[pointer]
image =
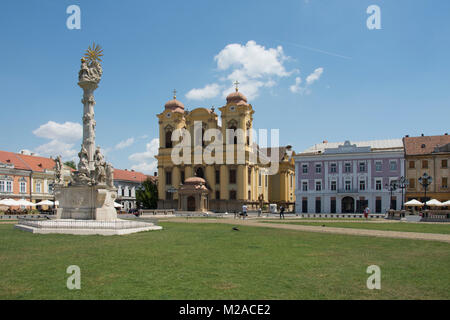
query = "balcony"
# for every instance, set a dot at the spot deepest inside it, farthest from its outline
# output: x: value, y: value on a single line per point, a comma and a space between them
x: 351, y: 190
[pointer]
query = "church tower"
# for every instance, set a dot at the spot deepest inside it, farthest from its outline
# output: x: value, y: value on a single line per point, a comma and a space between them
x: 237, y: 114
x: 169, y: 176
x: 202, y: 185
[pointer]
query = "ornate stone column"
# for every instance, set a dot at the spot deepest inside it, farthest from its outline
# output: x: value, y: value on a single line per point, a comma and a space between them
x: 241, y: 182
x: 211, y: 179
x: 176, y: 176
x: 88, y: 119
x: 224, y: 181
x: 188, y: 172
x: 161, y: 183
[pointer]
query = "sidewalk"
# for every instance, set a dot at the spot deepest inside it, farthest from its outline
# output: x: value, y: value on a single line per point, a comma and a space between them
x: 333, y: 230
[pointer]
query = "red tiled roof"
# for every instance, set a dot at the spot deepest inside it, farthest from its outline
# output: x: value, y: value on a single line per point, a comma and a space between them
x: 127, y: 175
x: 12, y: 158
x: 424, y: 145
x: 38, y: 164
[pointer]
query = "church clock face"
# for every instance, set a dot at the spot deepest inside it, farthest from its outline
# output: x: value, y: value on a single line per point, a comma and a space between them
x: 233, y: 108
x: 168, y: 115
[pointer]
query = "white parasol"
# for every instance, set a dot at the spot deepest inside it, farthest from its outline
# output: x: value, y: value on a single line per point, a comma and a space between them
x: 45, y: 203
x: 413, y: 203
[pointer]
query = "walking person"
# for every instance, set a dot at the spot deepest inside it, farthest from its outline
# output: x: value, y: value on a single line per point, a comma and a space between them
x: 366, y: 213
x: 244, y: 211
x: 281, y: 212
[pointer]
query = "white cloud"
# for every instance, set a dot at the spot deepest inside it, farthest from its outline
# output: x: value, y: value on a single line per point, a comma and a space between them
x: 253, y: 60
x: 313, y: 77
x: 147, y: 168
x: 208, y: 92
x: 296, y: 87
x: 124, y: 144
x: 55, y: 148
x: 146, y: 161
x: 310, y: 79
x: 67, y: 132
x: 253, y: 65
x: 62, y: 136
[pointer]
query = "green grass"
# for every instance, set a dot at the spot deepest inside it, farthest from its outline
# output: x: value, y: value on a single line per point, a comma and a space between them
x: 386, y: 226
x: 210, y: 261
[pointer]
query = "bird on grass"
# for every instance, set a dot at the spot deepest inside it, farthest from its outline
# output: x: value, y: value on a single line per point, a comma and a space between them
x: 235, y: 228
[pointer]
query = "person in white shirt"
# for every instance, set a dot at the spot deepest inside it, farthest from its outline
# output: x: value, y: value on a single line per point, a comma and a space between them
x: 366, y: 212
x: 244, y: 211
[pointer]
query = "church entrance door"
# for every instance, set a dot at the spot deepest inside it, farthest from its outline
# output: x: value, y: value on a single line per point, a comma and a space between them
x: 191, y: 203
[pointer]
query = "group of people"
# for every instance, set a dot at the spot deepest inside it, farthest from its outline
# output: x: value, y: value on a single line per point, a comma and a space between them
x: 244, y: 212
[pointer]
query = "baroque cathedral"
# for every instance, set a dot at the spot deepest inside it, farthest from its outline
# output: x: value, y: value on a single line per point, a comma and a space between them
x: 220, y: 187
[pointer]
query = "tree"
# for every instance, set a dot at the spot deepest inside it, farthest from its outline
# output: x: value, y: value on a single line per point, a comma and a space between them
x: 147, y: 195
x: 71, y: 164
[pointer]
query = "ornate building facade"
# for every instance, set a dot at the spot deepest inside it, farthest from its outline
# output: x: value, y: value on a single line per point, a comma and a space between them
x: 346, y: 177
x: 430, y: 155
x: 127, y: 182
x: 224, y: 186
x: 28, y: 177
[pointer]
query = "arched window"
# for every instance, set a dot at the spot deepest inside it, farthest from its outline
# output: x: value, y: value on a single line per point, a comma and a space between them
x: 199, y: 135
x: 199, y: 172
x: 203, y: 137
x: 232, y: 125
x: 169, y: 139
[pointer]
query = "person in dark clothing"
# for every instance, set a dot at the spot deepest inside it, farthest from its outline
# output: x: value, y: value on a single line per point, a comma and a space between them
x: 281, y: 212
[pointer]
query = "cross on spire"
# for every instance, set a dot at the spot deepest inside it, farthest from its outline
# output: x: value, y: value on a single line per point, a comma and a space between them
x: 237, y: 85
x: 174, y: 93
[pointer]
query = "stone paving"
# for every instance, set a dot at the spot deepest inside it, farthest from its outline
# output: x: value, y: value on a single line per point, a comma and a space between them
x: 346, y: 231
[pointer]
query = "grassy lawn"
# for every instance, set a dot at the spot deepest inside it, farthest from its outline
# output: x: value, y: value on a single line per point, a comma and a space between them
x: 210, y: 261
x: 394, y: 226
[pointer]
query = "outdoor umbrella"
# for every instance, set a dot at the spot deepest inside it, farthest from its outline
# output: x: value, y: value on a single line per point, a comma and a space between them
x: 25, y: 203
x: 434, y: 203
x: 45, y: 203
x: 9, y: 203
x: 413, y: 203
x: 446, y: 203
x: 117, y: 205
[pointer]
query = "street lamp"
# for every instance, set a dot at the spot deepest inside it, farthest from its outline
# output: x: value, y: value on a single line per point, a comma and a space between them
x: 391, y: 187
x: 425, y: 181
x: 403, y: 184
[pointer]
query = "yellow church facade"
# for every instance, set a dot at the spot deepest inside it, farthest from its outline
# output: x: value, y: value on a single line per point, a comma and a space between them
x: 235, y: 178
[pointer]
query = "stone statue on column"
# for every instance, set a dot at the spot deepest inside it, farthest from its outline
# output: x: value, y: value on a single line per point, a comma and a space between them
x: 91, y: 193
x: 100, y: 167
x: 58, y: 171
x: 88, y: 78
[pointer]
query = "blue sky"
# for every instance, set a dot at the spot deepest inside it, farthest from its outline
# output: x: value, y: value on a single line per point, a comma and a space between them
x: 364, y: 84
